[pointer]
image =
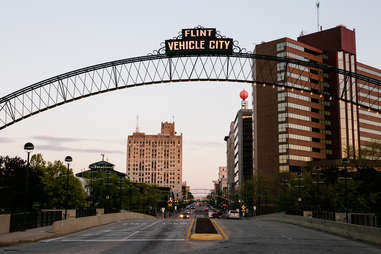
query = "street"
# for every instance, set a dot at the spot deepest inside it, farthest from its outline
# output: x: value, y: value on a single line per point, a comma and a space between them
x: 253, y: 235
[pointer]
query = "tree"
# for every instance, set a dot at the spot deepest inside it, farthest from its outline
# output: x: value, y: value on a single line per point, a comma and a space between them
x: 53, y: 178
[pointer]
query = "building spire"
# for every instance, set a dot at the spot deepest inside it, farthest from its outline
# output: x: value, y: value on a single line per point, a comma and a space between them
x: 317, y: 12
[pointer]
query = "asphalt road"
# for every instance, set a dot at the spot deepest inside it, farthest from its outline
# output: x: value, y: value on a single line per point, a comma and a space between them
x: 169, y: 236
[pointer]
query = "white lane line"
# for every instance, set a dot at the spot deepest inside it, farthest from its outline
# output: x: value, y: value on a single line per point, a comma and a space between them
x: 120, y: 240
x: 284, y: 236
x: 138, y: 231
x: 53, y: 239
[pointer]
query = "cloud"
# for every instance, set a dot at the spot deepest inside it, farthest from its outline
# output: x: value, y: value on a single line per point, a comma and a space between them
x: 77, y: 150
x: 6, y: 140
x: 52, y: 139
x: 193, y: 145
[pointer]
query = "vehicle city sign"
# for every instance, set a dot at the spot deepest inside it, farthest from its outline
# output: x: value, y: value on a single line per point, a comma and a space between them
x: 199, y: 41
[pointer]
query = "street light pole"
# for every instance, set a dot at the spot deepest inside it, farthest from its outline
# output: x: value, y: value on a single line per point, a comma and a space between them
x: 345, y: 162
x: 28, y: 147
x: 68, y: 159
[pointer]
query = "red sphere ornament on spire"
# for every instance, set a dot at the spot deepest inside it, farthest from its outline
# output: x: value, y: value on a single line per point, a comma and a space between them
x: 243, y: 94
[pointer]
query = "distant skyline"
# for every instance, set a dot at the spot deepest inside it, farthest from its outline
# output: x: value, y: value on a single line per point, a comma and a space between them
x: 41, y: 39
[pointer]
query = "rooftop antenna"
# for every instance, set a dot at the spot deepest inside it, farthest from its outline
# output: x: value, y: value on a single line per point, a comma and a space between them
x: 103, y: 156
x: 317, y: 11
x: 137, y: 123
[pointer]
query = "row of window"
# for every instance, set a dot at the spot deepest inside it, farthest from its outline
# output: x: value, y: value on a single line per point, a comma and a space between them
x: 372, y: 140
x: 370, y: 131
x: 292, y: 55
x: 282, y: 67
x: 282, y: 96
x: 369, y: 96
x: 284, y: 126
x: 284, y: 147
x: 369, y: 71
x: 283, y: 137
x: 290, y: 84
x: 370, y: 113
x: 282, y: 106
x: 370, y: 122
x: 369, y: 88
x: 285, y: 157
x: 283, y: 116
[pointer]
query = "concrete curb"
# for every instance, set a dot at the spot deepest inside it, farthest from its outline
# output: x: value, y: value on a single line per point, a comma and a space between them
x: 207, y: 237
x: 220, y: 230
x: 355, y: 232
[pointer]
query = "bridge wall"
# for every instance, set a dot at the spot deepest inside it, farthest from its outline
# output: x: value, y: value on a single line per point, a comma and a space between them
x: 356, y: 232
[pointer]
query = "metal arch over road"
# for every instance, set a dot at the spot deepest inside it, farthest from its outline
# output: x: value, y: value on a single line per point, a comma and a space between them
x: 236, y: 66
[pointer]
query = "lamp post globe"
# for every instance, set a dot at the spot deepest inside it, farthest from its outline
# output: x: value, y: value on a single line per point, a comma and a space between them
x: 28, y: 147
x: 68, y: 159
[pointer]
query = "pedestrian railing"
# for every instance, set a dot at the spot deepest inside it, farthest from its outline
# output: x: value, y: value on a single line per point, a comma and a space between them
x: 325, y: 215
x: 85, y: 212
x: 111, y: 210
x: 365, y: 219
x: 34, y: 219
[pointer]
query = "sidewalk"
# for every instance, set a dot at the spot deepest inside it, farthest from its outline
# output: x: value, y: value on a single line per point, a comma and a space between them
x: 26, y: 236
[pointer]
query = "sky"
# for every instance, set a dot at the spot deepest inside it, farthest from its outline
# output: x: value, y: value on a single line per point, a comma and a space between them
x: 40, y: 39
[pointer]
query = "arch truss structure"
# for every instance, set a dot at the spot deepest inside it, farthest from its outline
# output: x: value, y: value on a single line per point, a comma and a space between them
x: 159, y: 67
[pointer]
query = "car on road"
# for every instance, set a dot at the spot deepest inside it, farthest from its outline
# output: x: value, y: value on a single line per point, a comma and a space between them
x: 185, y: 215
x: 217, y: 214
x: 233, y: 214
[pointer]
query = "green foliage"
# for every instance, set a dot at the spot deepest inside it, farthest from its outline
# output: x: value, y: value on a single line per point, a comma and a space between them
x: 363, y: 191
x: 109, y: 190
x: 46, y: 185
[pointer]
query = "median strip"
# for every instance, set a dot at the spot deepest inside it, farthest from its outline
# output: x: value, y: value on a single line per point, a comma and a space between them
x: 205, y: 231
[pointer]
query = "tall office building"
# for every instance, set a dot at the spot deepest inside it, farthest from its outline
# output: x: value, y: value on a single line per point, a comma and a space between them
x: 240, y: 149
x: 299, y: 127
x: 156, y: 159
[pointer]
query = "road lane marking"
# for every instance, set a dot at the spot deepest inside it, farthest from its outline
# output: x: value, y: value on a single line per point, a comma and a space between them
x: 54, y: 239
x: 288, y: 238
x: 220, y: 229
x: 138, y: 231
x: 190, y: 230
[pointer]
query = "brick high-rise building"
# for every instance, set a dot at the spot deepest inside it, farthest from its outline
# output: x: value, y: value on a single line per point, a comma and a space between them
x: 156, y: 159
x: 292, y: 128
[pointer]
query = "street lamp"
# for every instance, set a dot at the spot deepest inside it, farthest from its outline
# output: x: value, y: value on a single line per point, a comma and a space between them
x: 28, y: 147
x: 345, y: 162
x: 68, y: 159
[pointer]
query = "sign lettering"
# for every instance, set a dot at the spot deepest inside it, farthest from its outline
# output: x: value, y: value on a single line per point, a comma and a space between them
x: 199, y: 41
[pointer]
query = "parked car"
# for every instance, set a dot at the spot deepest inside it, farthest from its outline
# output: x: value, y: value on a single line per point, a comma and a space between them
x: 233, y: 214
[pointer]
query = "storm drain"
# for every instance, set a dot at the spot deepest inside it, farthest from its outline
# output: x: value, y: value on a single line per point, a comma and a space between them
x: 204, y: 226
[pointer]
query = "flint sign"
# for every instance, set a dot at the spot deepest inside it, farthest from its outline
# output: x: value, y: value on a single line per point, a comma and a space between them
x: 199, y: 41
